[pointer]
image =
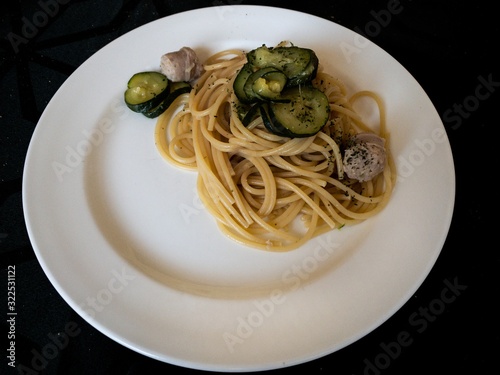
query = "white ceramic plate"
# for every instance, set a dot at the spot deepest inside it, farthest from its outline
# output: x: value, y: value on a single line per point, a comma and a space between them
x: 125, y: 241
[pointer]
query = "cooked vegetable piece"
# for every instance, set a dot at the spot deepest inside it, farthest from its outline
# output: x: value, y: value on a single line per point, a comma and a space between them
x: 239, y: 83
x: 252, y: 113
x: 300, y: 65
x: 306, y: 112
x: 146, y: 90
x: 265, y: 84
x: 266, y: 119
x: 176, y: 89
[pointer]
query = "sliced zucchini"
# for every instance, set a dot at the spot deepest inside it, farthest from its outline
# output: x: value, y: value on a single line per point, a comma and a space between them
x: 304, y: 115
x: 265, y: 84
x: 251, y: 114
x: 239, y: 83
x: 264, y: 113
x: 300, y: 65
x: 146, y: 90
x: 176, y: 89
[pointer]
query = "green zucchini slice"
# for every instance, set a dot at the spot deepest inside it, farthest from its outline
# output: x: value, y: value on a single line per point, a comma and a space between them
x: 175, y: 89
x: 266, y: 119
x: 239, y: 83
x: 300, y: 65
x: 304, y: 115
x: 265, y: 84
x: 146, y: 90
x: 252, y: 113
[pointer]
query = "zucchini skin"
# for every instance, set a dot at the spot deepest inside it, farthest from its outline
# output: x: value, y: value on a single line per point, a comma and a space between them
x: 176, y: 89
x: 266, y: 119
x: 239, y: 83
x: 252, y: 113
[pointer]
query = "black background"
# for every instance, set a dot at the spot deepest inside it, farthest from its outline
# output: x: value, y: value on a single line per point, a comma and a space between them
x: 448, y: 46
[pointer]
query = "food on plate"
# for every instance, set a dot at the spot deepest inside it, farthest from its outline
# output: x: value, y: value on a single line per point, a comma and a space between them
x: 151, y: 93
x: 281, y: 154
x: 145, y: 90
x: 181, y: 65
x: 365, y: 156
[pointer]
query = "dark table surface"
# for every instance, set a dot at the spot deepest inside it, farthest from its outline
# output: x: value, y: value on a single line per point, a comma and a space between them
x: 448, y: 46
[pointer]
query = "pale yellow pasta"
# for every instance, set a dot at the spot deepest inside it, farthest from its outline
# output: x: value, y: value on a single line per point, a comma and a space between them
x: 266, y: 191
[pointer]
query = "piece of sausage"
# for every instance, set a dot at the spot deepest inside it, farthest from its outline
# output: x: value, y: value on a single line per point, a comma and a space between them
x: 181, y: 65
x: 365, y: 157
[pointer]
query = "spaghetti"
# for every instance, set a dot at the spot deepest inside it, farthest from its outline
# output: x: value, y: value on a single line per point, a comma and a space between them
x: 266, y: 191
